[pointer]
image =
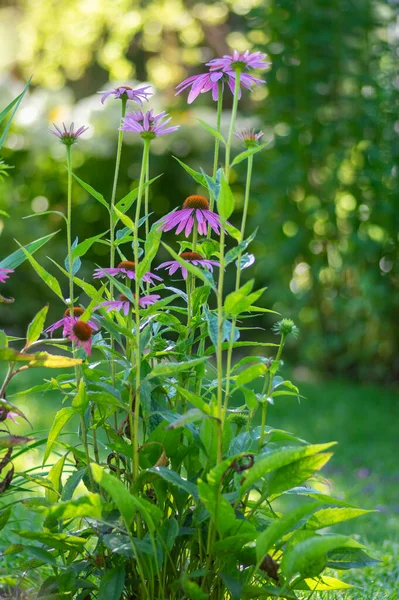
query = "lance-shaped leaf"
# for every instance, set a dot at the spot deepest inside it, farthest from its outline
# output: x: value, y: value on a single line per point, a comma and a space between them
x: 99, y: 197
x: 48, y: 279
x: 36, y: 326
x: 150, y: 249
x: 247, y: 153
x: 241, y: 300
x: 18, y: 257
x: 126, y: 202
x: 60, y: 420
x: 14, y: 104
x: 198, y: 177
x: 170, y: 368
x: 225, y: 201
x: 9, y: 441
x: 216, y: 134
x: 83, y: 247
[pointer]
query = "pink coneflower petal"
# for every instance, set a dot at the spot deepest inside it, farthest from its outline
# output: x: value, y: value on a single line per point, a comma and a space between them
x: 136, y: 95
x: 247, y: 60
x: 68, y: 136
x: 4, y: 274
x: 148, y: 125
x: 196, y: 259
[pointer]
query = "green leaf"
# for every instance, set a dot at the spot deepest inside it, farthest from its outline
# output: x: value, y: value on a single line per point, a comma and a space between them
x: 225, y: 202
x: 175, y: 479
x: 212, y: 131
x: 83, y: 247
x: 48, y: 279
x: 296, y: 472
x: 303, y: 556
x: 349, y: 558
x: 194, y: 400
x: 278, y: 528
x: 4, y: 516
x: 127, y: 221
x: 255, y: 592
x: 92, y: 192
x: 192, y: 590
x: 198, y: 177
x: 81, y: 400
x: 112, y: 584
x: 219, y: 508
x: 127, y: 503
x: 250, y: 374
x: 87, y: 506
x: 18, y: 257
x: 247, y: 153
x: 62, y: 541
x: 170, y: 368
x: 322, y: 584
x: 72, y: 483
x: 126, y: 202
x: 150, y: 249
x: 204, y: 275
x: 54, y: 476
x: 330, y: 516
x: 60, y: 420
x: 191, y: 416
x: 36, y: 326
x: 276, y: 459
x: 232, y: 254
x: 13, y: 104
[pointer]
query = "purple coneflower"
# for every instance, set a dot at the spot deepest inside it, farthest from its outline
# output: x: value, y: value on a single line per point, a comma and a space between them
x: 193, y: 257
x: 5, y: 274
x: 200, y: 84
x: 137, y: 95
x: 128, y: 269
x: 68, y: 137
x: 195, y: 210
x: 148, y: 125
x: 123, y: 303
x: 247, y: 60
x: 77, y: 312
x: 249, y: 137
x: 79, y: 332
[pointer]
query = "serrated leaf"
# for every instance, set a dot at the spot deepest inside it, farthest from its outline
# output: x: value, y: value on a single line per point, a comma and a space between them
x: 277, y: 459
x: 280, y: 526
x: 330, y: 516
x: 301, y: 557
x: 349, y: 558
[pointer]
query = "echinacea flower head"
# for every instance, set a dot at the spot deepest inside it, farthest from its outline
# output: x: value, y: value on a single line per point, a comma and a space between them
x: 126, y: 268
x: 249, y: 137
x: 148, y: 125
x: 77, y: 313
x: 285, y: 327
x: 124, y: 91
x: 124, y: 305
x: 68, y: 136
x: 195, y: 211
x: 79, y: 332
x: 5, y: 274
x: 236, y: 61
x: 193, y: 257
x: 213, y: 81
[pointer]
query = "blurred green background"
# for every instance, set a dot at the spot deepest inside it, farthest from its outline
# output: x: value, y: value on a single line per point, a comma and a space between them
x: 325, y: 192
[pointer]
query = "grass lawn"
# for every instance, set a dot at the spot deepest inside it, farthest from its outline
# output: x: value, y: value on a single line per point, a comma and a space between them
x: 364, y: 470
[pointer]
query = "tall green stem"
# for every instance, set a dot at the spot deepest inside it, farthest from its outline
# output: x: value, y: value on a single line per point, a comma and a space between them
x: 114, y: 187
x: 146, y: 151
x: 69, y: 228
x: 217, y: 142
x: 233, y: 120
x: 237, y: 285
x: 219, y: 351
x: 268, y: 392
x: 146, y: 209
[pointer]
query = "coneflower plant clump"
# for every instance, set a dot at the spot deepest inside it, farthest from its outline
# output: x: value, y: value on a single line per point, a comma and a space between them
x: 174, y: 486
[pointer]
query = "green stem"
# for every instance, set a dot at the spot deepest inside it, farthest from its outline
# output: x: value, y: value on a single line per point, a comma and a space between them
x: 114, y: 186
x: 86, y: 447
x: 112, y: 245
x: 269, y: 384
x: 146, y: 151
x: 237, y: 285
x: 217, y: 142
x: 233, y: 119
x: 146, y: 209
x: 69, y: 228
